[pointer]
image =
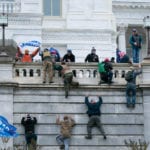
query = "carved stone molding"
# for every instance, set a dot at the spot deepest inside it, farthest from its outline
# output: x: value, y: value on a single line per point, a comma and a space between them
x: 78, y: 36
x: 130, y: 4
x: 10, y: 6
x: 25, y: 20
x: 121, y: 28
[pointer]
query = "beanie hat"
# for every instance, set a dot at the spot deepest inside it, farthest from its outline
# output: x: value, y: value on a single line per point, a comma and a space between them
x: 106, y: 60
x: 121, y: 54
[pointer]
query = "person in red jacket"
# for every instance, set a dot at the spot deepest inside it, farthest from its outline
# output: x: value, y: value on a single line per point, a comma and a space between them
x: 26, y: 57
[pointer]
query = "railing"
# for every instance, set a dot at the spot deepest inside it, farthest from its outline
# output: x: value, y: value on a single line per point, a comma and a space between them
x: 10, y: 6
x: 84, y: 73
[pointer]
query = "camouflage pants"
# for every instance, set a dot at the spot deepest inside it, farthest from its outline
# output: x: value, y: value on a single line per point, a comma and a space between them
x: 67, y: 82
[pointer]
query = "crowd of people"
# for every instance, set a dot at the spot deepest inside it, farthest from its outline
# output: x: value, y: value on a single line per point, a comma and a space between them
x: 105, y: 69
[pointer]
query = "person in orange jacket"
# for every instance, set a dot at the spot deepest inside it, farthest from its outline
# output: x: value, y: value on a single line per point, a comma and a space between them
x: 26, y: 57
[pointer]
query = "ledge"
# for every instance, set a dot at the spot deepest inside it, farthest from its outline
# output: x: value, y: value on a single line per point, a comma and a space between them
x: 9, y: 84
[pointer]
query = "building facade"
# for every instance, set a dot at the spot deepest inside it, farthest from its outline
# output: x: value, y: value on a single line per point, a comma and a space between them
x: 68, y: 24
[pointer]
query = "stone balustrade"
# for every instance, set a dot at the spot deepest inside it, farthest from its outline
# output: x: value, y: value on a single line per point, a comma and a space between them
x: 10, y: 6
x: 84, y: 73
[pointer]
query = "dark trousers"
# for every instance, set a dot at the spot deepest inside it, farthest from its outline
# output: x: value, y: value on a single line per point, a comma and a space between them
x: 131, y: 93
x: 30, y: 137
x: 106, y: 76
x: 68, y: 81
x: 94, y: 121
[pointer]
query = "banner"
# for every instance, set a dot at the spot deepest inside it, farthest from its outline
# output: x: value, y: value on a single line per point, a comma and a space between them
x: 30, y: 43
x: 6, y: 129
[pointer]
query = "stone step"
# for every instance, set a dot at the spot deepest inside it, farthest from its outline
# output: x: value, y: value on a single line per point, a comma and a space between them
x: 117, y: 98
x: 72, y: 109
x: 119, y: 122
x: 113, y: 119
x: 50, y: 129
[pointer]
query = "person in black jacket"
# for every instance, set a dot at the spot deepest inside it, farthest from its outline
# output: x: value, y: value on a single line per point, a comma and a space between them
x: 92, y: 57
x: 69, y: 57
x: 94, y: 116
x: 29, y: 124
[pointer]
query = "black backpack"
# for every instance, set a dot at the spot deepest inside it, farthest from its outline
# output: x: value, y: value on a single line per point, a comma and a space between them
x: 129, y: 76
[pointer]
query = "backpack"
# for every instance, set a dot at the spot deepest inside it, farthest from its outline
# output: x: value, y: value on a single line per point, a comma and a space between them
x: 101, y: 67
x: 129, y: 76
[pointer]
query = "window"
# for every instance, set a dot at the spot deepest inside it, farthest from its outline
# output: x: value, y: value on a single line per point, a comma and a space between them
x: 52, y: 7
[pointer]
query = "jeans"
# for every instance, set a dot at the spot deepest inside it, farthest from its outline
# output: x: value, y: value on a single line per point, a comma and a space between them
x: 135, y: 55
x: 131, y: 93
x: 94, y: 121
x: 107, y: 76
x: 63, y: 141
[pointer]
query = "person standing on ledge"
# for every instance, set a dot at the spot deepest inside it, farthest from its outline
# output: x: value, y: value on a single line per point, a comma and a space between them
x: 47, y: 66
x: 136, y: 42
x: 94, y: 116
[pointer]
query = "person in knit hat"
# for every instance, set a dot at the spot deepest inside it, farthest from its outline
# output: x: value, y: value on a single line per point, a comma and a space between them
x: 92, y: 57
x: 124, y: 58
x: 66, y: 126
x: 106, y: 74
x: 136, y: 43
x: 130, y: 78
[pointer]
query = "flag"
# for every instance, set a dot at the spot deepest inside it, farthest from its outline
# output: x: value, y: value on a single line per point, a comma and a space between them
x: 6, y: 129
x: 30, y: 43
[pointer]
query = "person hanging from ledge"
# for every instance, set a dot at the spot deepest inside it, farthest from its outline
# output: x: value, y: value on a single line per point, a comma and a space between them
x: 29, y: 123
x: 130, y: 77
x: 94, y: 116
x: 66, y: 126
x: 26, y: 56
x: 67, y: 76
x: 47, y: 65
x: 105, y: 69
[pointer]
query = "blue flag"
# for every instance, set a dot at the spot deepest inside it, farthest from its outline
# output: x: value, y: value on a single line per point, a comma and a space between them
x: 30, y: 43
x: 6, y: 129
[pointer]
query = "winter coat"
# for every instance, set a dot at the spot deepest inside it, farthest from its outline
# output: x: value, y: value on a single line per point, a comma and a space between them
x: 29, y: 124
x: 66, y: 127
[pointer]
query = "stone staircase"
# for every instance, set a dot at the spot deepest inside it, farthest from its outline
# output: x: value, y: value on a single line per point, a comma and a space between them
x: 45, y: 102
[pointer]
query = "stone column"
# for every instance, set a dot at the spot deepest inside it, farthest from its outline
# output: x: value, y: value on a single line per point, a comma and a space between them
x: 6, y: 92
x: 122, y: 37
x: 145, y: 85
